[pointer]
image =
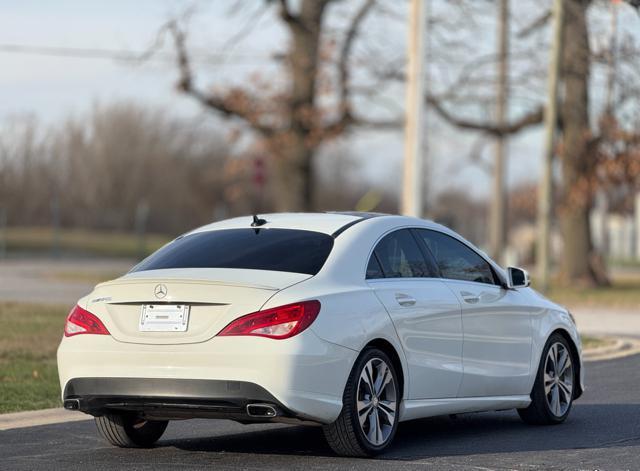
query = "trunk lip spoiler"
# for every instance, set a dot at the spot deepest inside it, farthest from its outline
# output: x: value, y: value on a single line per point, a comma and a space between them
x: 173, y: 301
x: 192, y: 281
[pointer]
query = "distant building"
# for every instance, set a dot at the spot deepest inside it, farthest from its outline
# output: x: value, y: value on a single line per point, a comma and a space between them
x: 616, y: 234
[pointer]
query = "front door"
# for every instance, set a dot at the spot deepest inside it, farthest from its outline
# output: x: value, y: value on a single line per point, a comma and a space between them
x: 496, y: 325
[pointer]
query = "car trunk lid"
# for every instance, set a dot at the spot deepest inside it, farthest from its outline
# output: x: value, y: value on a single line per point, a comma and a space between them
x: 215, y: 297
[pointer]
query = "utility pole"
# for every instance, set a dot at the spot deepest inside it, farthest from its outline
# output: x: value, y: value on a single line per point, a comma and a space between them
x: 613, y: 50
x: 498, y: 231
x: 545, y: 189
x: 412, y: 175
x: 602, y: 203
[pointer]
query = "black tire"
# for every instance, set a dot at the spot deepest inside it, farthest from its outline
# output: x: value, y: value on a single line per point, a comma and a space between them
x: 346, y: 436
x: 128, y: 431
x: 540, y: 411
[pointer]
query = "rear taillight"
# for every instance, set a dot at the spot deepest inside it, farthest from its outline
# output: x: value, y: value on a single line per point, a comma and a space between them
x: 275, y: 323
x: 81, y: 321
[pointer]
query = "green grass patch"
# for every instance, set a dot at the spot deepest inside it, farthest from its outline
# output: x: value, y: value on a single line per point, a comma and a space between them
x: 109, y: 244
x: 624, y: 293
x: 623, y: 263
x: 29, y: 337
x: 595, y: 342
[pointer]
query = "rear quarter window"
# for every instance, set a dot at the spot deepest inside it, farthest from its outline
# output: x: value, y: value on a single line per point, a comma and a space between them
x: 397, y: 255
x: 288, y: 250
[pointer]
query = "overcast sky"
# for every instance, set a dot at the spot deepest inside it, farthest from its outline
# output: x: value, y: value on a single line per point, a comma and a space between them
x: 52, y: 88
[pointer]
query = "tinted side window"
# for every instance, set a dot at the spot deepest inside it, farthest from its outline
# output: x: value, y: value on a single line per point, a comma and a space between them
x: 373, y: 269
x: 455, y: 260
x: 401, y: 257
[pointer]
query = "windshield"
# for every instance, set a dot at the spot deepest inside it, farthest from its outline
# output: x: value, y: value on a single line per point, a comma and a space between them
x: 287, y: 250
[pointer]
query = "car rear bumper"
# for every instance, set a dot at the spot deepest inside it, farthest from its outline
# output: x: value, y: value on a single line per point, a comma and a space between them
x: 168, y: 398
x: 303, y: 377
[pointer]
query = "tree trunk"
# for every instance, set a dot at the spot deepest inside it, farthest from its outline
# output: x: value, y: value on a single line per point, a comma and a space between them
x: 293, y: 177
x: 295, y: 149
x: 579, y: 263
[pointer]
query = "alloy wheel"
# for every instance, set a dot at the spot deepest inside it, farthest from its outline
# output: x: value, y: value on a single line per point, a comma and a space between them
x: 376, y: 401
x: 558, y: 379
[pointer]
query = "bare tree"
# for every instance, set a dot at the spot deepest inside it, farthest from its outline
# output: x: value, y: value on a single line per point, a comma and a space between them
x: 579, y: 146
x: 576, y: 157
x: 97, y: 170
x: 294, y: 124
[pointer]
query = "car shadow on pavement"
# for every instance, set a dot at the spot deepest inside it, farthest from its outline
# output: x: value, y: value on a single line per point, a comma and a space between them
x: 589, y: 426
x: 288, y: 440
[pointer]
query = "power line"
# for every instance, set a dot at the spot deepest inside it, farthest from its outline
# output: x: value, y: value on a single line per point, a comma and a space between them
x: 121, y: 54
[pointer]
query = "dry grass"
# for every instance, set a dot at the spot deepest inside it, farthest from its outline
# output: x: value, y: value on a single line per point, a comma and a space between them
x: 29, y: 338
x: 109, y: 244
x: 624, y: 293
x: 595, y: 342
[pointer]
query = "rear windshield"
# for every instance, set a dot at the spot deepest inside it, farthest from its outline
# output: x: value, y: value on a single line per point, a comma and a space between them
x: 256, y: 249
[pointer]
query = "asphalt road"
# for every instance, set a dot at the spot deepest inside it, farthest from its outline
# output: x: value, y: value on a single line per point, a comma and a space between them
x: 55, y: 281
x: 603, y: 432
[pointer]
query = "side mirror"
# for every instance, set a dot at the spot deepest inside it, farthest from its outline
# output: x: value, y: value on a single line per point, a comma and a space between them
x: 517, y: 278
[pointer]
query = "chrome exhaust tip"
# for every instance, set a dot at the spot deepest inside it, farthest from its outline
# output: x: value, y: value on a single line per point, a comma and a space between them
x: 262, y: 410
x: 72, y: 404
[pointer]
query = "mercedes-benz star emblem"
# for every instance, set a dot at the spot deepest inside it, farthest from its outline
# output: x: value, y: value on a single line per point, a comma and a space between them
x: 160, y: 291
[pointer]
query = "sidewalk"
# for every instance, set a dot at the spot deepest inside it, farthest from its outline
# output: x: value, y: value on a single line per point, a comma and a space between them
x: 39, y: 417
x: 605, y: 321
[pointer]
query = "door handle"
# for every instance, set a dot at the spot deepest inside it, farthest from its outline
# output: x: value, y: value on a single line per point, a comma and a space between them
x: 470, y: 298
x: 405, y: 299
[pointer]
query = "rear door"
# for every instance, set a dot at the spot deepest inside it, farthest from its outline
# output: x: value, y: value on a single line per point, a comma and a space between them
x: 495, y: 322
x: 425, y: 313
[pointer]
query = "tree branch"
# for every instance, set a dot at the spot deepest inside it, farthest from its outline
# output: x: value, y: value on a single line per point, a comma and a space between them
x: 292, y: 20
x: 345, y: 53
x: 535, y: 25
x: 221, y: 104
x: 285, y: 13
x: 382, y: 124
x: 346, y: 117
x: 530, y: 119
x: 635, y: 4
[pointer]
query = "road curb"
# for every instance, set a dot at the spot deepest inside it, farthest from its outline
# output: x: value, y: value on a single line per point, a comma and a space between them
x: 621, y: 347
x: 34, y: 418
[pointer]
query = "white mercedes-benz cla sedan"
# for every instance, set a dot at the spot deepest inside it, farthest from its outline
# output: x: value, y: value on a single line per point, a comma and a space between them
x: 353, y: 321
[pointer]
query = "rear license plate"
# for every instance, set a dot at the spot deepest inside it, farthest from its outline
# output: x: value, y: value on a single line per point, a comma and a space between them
x: 164, y: 318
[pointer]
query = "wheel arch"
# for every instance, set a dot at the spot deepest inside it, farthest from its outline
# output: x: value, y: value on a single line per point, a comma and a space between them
x: 576, y: 355
x: 388, y: 348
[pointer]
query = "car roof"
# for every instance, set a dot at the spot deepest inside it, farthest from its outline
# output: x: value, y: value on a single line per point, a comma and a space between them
x: 329, y: 223
x: 333, y: 223
x: 337, y: 223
